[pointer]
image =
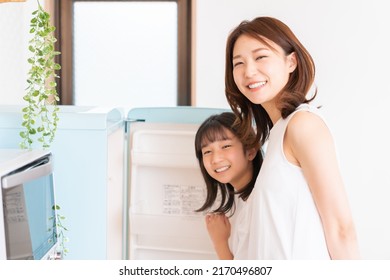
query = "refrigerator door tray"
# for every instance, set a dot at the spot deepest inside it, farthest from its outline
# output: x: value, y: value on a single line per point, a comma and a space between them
x: 165, y: 189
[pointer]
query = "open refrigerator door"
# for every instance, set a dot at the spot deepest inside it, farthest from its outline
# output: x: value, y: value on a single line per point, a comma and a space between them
x: 165, y: 187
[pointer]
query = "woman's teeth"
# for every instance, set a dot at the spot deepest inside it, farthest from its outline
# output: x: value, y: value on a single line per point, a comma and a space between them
x: 255, y: 85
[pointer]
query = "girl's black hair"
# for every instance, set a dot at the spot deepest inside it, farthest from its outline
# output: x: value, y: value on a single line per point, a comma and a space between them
x: 213, y: 129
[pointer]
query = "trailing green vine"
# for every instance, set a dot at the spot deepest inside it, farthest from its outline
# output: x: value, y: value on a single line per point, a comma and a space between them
x: 59, y: 233
x: 40, y: 115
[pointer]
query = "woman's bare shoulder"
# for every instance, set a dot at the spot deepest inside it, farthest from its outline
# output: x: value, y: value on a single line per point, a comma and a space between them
x: 306, y: 126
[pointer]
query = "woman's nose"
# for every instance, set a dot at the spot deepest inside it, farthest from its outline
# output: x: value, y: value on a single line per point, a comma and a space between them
x: 250, y: 69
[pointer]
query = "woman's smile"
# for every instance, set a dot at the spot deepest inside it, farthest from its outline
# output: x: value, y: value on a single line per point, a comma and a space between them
x: 257, y: 85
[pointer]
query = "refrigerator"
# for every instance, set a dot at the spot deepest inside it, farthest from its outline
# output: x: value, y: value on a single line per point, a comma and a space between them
x: 128, y: 183
x: 165, y: 185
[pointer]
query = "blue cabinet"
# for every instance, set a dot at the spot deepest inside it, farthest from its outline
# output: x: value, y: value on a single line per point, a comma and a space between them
x: 88, y: 156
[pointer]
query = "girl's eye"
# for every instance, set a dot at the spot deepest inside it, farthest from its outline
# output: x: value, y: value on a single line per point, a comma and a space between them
x: 206, y: 152
x: 226, y: 146
x: 260, y: 57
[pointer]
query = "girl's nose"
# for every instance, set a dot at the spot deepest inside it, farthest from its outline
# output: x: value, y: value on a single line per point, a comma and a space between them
x: 216, y: 158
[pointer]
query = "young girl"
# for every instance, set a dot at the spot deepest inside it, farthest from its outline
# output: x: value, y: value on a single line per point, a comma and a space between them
x: 229, y: 169
x: 298, y: 208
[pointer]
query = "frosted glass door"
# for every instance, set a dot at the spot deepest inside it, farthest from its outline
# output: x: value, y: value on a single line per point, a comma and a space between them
x: 125, y: 54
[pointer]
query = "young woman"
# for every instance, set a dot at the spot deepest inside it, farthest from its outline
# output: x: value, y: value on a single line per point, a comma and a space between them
x: 298, y: 208
x: 229, y: 169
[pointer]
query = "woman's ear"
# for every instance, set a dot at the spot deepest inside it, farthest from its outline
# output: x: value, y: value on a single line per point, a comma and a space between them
x: 292, y: 61
x: 251, y: 153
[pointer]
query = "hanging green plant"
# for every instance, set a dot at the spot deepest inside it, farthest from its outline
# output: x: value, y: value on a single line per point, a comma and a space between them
x: 40, y: 115
x: 59, y: 233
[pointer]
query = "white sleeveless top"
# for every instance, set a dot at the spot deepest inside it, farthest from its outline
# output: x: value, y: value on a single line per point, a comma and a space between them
x: 279, y: 220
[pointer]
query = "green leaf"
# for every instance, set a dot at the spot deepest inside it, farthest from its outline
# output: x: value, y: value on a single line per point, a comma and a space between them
x: 41, y: 82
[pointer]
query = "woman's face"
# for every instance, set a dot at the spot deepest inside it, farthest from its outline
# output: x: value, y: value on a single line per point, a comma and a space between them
x: 227, y: 162
x: 261, y: 72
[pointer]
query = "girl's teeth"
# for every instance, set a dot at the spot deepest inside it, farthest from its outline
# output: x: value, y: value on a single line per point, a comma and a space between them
x: 222, y: 169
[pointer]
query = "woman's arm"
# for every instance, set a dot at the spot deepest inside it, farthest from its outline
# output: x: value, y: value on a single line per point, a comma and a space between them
x: 309, y: 143
x: 218, y: 226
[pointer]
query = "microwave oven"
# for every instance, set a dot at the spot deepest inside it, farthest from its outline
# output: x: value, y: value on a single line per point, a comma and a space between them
x: 27, y: 217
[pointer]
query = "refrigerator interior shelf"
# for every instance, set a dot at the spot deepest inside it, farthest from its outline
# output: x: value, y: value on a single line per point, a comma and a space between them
x: 163, y: 160
x: 166, y: 187
x: 165, y: 225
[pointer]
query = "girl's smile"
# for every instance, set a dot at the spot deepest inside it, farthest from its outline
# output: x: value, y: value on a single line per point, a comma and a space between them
x: 227, y: 161
x: 222, y: 169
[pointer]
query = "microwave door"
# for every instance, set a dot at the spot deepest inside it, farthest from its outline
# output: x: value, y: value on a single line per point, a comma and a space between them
x: 25, y: 198
x: 18, y: 239
x: 37, y: 169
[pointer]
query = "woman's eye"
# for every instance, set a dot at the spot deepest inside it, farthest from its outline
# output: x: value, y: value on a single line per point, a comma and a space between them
x: 237, y: 64
x: 260, y: 57
x: 206, y: 152
x: 226, y: 146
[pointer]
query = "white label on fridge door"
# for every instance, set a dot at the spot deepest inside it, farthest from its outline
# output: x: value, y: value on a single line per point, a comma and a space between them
x: 182, y: 200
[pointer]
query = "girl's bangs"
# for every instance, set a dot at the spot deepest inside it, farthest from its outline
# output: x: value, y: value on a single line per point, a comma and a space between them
x: 213, y: 133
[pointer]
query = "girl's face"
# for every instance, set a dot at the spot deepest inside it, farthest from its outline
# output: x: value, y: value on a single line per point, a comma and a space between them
x: 261, y: 72
x: 227, y: 162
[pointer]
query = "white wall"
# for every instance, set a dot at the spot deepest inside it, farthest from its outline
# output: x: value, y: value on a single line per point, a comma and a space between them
x: 14, y: 36
x: 349, y: 41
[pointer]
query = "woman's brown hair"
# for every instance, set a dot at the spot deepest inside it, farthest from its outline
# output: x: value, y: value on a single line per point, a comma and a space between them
x: 296, y: 89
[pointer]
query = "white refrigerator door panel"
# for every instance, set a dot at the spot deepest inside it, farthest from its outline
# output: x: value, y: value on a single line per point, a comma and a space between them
x: 166, y: 186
